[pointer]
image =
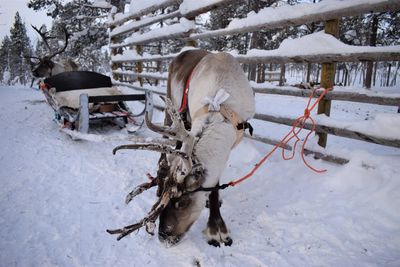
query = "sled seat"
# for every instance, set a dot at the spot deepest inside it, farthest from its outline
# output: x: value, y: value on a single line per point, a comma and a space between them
x: 75, y: 80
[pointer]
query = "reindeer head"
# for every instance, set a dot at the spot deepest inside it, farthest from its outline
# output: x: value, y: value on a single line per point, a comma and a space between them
x: 44, y: 66
x: 183, y: 209
x: 179, y: 205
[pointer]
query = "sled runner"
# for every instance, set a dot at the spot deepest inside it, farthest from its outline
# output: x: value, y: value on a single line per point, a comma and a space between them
x: 81, y: 97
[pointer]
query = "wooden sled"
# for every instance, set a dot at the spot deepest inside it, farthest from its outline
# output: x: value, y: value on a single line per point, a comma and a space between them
x: 81, y: 97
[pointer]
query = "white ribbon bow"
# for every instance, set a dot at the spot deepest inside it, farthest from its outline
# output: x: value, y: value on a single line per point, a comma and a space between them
x: 215, y: 104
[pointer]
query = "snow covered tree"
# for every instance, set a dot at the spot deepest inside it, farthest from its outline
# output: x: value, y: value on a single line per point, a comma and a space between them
x: 20, y: 47
x: 89, y: 33
x: 52, y: 7
x: 375, y: 29
x: 5, y: 60
x: 119, y: 4
x: 262, y: 39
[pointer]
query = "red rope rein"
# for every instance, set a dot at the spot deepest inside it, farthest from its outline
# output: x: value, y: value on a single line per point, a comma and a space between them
x: 294, y: 132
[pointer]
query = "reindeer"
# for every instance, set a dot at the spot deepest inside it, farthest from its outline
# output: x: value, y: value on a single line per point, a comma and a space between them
x: 45, y: 66
x: 219, y: 101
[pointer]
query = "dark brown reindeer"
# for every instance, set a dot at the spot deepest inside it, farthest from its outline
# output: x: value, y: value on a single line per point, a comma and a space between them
x: 46, y: 66
x: 219, y: 102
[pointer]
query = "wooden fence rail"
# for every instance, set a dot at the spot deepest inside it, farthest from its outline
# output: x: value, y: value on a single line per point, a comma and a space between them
x: 334, y: 95
x: 320, y: 128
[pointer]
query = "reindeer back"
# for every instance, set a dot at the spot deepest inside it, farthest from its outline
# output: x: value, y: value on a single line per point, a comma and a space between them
x: 221, y: 71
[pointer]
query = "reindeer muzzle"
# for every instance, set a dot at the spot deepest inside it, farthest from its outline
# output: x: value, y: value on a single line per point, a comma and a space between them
x: 169, y: 240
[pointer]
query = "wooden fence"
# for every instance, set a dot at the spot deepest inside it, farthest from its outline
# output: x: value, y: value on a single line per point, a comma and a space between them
x: 139, y: 28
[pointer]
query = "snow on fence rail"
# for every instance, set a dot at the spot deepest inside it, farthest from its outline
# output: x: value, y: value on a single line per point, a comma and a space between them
x: 131, y: 31
x: 324, y: 52
x: 283, y: 16
x: 146, y: 7
x: 147, y: 75
x: 136, y: 25
x: 320, y: 47
x: 177, y: 30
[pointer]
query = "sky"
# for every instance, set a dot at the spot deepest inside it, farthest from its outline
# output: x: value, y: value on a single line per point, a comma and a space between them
x: 8, y: 8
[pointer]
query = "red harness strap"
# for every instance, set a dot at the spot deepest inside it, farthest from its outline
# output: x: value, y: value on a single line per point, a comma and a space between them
x: 184, y: 102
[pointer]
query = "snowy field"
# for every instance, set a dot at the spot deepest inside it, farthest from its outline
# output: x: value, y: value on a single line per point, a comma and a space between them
x: 58, y: 196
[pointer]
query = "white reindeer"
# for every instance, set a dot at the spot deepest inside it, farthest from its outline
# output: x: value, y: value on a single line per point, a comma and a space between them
x: 219, y: 102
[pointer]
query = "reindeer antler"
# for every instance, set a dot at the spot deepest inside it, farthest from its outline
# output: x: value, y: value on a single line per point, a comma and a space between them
x: 67, y: 35
x: 141, y: 188
x: 45, y: 36
x: 170, y: 189
x: 147, y: 221
x: 154, y: 147
x: 176, y: 132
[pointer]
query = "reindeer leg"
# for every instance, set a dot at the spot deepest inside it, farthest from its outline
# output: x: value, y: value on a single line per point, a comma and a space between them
x: 216, y: 231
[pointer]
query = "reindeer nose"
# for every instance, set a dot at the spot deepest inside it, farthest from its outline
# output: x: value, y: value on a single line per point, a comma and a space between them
x: 169, y: 240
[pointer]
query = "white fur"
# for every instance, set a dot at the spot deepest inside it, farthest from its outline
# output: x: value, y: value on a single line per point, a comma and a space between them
x: 221, y: 71
x: 214, y: 146
x: 214, y: 104
x: 213, y: 73
x: 63, y: 66
x: 177, y: 93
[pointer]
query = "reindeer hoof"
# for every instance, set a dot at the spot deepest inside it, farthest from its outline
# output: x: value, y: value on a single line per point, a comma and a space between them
x: 214, y: 243
x: 228, y: 242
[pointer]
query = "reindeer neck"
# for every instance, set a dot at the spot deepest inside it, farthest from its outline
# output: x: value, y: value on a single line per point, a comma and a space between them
x: 58, y: 68
x: 216, y: 138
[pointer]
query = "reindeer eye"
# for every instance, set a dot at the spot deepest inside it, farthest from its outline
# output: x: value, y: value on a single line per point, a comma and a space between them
x: 182, y: 203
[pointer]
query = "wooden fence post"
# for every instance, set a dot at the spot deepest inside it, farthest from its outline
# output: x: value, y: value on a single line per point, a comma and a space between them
x: 388, y: 74
x: 191, y: 42
x: 139, y: 65
x: 327, y: 79
x: 282, y: 79
x: 372, y: 42
x: 115, y: 51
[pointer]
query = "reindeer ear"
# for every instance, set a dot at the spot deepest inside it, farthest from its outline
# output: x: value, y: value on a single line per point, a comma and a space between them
x: 196, y: 178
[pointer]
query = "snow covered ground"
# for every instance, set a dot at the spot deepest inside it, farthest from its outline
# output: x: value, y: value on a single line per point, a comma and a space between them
x: 58, y: 196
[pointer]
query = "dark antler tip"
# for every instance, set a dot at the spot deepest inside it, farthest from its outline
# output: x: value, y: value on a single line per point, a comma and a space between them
x: 112, y: 232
